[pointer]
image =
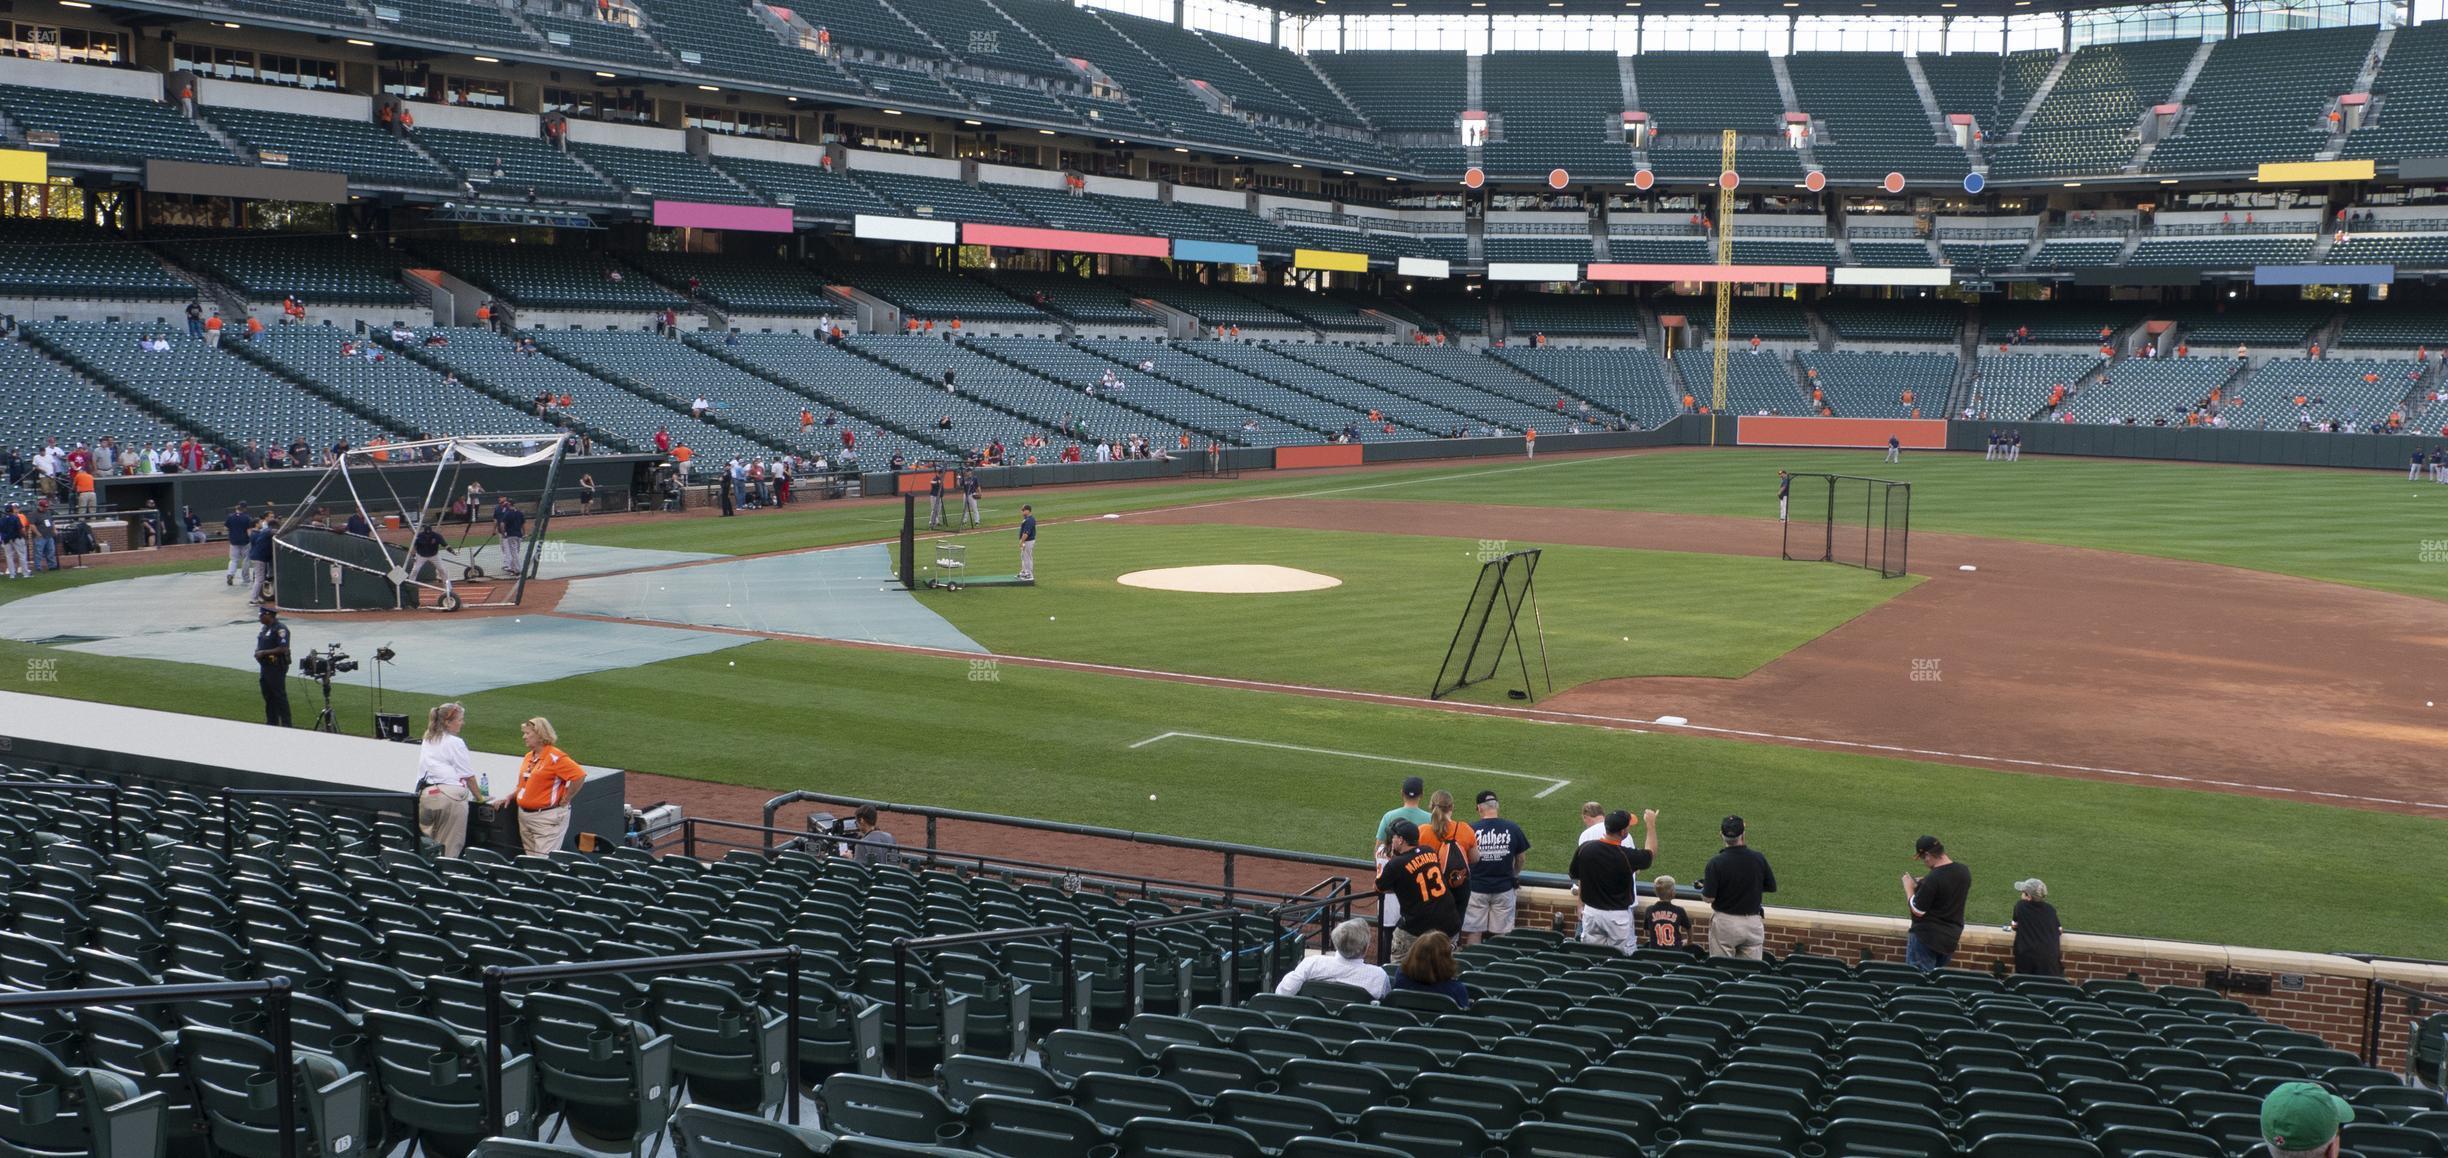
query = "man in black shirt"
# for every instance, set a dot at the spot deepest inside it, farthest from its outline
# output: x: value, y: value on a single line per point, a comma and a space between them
x: 1937, y: 903
x: 1733, y: 883
x: 1417, y: 877
x: 272, y: 658
x: 1604, y: 871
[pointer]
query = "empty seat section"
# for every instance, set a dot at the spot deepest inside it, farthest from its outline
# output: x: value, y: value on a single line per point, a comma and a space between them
x: 1627, y: 381
x: 2353, y: 390
x: 937, y: 296
x: 45, y: 259
x: 894, y: 412
x: 2017, y: 387
x: 2262, y: 98
x: 615, y: 417
x: 2143, y: 390
x: 807, y: 189
x: 363, y: 150
x: 549, y: 277
x: 212, y: 392
x: 113, y: 130
x: 411, y: 398
x: 1551, y: 111
x: 1894, y: 320
x: 762, y: 415
x: 2088, y: 123
x: 1755, y: 383
x: 322, y: 269
x: 658, y: 175
x: 2411, y: 93
x: 504, y: 166
x: 1863, y: 384
x: 1145, y: 390
x: 748, y: 283
x: 1874, y: 122
x: 1290, y: 416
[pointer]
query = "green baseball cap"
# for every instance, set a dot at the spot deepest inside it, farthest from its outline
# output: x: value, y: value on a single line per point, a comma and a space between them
x: 2300, y: 1116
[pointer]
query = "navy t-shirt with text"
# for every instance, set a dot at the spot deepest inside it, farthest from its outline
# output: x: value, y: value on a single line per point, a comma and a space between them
x: 1500, y: 841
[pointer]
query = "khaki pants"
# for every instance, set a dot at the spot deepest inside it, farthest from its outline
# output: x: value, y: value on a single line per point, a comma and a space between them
x: 1743, y: 936
x: 442, y: 815
x: 541, y: 833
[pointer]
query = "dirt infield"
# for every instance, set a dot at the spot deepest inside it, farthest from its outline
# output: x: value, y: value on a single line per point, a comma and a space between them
x: 2059, y: 660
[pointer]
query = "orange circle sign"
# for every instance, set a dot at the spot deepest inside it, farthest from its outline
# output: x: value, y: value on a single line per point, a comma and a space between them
x: 1729, y: 179
x: 1814, y: 181
x: 1644, y: 179
x: 1474, y: 177
x: 1558, y: 178
x: 1894, y: 183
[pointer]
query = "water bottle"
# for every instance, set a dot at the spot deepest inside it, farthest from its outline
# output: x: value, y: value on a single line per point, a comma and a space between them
x: 484, y: 787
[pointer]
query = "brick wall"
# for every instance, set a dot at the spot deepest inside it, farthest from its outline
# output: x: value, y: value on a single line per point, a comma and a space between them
x: 2316, y: 993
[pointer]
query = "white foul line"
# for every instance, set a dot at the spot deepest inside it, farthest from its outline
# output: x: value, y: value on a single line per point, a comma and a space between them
x: 1552, y: 783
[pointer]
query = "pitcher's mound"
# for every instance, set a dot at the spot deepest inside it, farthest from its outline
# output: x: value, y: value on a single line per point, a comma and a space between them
x: 1231, y: 579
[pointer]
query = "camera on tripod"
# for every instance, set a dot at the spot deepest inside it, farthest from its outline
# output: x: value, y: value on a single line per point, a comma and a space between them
x: 326, y: 663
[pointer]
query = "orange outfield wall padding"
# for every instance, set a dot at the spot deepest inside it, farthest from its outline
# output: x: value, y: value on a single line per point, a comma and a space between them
x: 1292, y: 457
x: 1915, y: 433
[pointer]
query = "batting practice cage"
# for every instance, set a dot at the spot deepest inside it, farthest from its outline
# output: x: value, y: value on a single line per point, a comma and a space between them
x: 1491, y: 625
x: 1867, y: 522
x: 319, y: 566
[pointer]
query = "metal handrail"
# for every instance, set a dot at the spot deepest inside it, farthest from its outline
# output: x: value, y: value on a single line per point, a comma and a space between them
x: 274, y: 992
x: 499, y: 977
x: 902, y: 947
x: 932, y: 855
x: 1274, y: 915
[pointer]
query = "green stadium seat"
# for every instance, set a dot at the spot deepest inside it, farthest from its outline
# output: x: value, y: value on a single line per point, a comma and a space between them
x: 1115, y: 1099
x: 701, y: 1131
x: 57, y: 1109
x: 432, y: 1081
x: 1012, y: 1127
x: 232, y: 1074
x: 614, y: 1077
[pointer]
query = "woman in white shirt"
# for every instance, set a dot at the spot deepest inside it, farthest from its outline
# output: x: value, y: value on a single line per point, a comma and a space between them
x: 446, y: 780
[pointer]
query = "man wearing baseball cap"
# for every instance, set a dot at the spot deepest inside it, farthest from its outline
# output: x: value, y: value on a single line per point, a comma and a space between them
x: 1417, y: 878
x: 1495, y: 877
x: 2301, y: 1120
x: 1734, y: 882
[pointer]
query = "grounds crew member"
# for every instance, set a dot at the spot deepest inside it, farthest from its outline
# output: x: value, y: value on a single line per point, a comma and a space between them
x: 935, y: 491
x: 272, y: 657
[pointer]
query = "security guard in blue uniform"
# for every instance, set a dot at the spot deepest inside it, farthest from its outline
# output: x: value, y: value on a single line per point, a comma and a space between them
x: 272, y: 656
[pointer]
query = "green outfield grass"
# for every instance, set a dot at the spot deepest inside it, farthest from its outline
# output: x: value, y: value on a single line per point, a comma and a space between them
x: 2359, y: 527
x: 1607, y: 612
x: 1039, y: 742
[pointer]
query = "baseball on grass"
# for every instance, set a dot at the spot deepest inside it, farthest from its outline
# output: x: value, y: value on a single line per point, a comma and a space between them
x: 1151, y: 796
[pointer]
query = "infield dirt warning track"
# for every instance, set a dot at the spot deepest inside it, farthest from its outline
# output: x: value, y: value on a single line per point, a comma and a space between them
x: 2059, y: 660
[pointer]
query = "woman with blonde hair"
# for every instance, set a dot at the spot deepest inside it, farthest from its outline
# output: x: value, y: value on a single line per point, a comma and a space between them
x: 1443, y: 830
x: 446, y: 780
x: 548, y: 781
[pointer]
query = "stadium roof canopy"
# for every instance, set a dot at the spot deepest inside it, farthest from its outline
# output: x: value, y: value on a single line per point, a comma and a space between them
x: 1801, y: 8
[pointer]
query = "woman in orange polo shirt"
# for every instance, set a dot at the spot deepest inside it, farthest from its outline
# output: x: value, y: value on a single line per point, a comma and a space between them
x: 548, y: 781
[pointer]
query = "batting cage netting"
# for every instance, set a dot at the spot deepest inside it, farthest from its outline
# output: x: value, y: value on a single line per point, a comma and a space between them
x: 1862, y: 522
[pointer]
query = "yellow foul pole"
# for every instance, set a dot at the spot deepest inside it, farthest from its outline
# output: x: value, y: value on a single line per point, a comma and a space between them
x: 1725, y: 289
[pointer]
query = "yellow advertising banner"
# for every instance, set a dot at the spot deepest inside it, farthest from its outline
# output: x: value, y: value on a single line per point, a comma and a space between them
x: 2313, y: 172
x: 1329, y: 259
x: 24, y: 166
